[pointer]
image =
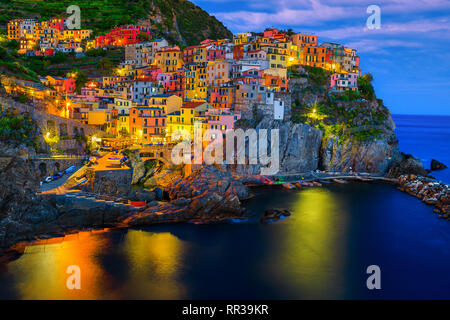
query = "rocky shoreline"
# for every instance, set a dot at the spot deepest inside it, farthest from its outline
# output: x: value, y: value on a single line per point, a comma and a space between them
x: 209, y: 195
x: 428, y: 190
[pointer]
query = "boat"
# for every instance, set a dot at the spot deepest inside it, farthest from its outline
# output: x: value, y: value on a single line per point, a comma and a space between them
x: 288, y: 185
x: 340, y: 181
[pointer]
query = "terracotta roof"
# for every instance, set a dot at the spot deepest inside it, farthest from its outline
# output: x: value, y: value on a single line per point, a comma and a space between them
x: 193, y: 104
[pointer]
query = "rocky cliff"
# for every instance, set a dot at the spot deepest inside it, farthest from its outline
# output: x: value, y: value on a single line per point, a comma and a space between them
x: 299, y: 148
x: 358, y: 133
x: 20, y: 208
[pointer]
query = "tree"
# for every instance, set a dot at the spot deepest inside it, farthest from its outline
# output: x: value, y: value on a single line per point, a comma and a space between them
x: 143, y: 37
x: 13, y: 44
x: 23, y: 98
x: 80, y: 80
x: 365, y: 86
x: 105, y: 65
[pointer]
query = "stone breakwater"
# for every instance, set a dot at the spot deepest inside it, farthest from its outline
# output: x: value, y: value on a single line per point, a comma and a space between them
x: 428, y: 190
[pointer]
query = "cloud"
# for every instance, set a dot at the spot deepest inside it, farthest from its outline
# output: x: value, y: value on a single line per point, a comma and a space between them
x: 314, y: 14
x: 302, y: 13
x: 381, y: 46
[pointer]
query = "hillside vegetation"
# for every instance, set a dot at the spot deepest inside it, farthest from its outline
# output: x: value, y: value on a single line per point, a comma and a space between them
x: 180, y: 21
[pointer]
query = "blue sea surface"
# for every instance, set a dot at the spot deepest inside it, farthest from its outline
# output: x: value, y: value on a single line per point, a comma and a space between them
x: 426, y: 138
x: 322, y: 251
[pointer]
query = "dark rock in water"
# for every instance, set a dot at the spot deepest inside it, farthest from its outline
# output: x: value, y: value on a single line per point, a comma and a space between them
x: 406, y: 164
x: 274, y: 214
x: 159, y: 194
x: 436, y: 165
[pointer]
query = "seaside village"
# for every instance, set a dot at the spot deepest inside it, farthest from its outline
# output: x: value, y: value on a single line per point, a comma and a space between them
x: 160, y: 88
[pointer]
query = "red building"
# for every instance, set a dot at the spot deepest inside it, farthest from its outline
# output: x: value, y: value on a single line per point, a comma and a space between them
x: 270, y: 32
x: 176, y: 83
x: 57, y: 24
x: 122, y: 36
x: 238, y: 52
x: 221, y: 97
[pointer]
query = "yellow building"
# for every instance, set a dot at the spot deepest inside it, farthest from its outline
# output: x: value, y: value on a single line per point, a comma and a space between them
x: 195, y: 81
x: 123, y: 128
x: 43, y: 31
x: 100, y: 117
x: 241, y: 38
x: 294, y: 54
x: 277, y: 54
x: 168, y: 102
x: 185, y: 119
x: 169, y: 59
x: 125, y: 70
x: 75, y: 35
x: 194, y: 54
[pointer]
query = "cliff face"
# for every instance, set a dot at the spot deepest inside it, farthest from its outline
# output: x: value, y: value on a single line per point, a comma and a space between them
x: 345, y: 153
x: 20, y: 208
x: 358, y: 133
x: 299, y: 148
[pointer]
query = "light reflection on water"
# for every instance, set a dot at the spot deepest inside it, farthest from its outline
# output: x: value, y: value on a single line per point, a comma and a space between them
x: 153, y: 260
x: 321, y: 251
x: 312, y: 251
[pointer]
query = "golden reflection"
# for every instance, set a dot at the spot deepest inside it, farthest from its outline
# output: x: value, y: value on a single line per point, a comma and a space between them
x: 154, y: 265
x: 313, y: 249
x: 40, y: 272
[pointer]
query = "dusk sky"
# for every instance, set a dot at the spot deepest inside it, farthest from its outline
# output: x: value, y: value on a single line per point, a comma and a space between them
x: 409, y: 56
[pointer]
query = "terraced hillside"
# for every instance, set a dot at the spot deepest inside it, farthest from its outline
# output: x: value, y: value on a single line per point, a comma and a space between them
x: 180, y: 21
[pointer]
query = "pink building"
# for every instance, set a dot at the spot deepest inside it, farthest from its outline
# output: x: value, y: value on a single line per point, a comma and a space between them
x: 215, y: 53
x: 344, y: 81
x: 88, y: 94
x: 221, y: 119
x: 152, y: 72
x: 218, y: 72
x: 163, y: 79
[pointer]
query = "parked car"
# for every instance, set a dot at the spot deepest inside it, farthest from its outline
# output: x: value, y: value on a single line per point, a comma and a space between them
x: 48, y: 179
x: 70, y: 169
x: 57, y: 175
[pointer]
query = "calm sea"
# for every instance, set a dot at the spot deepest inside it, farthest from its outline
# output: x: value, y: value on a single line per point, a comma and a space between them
x: 426, y: 137
x: 322, y: 251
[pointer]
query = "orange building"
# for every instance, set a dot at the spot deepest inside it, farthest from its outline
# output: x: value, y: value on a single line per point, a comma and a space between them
x: 304, y: 40
x: 148, y: 124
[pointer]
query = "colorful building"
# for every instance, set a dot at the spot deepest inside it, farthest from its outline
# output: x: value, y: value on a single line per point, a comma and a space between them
x: 169, y: 59
x: 122, y: 36
x: 148, y: 124
x: 344, y: 81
